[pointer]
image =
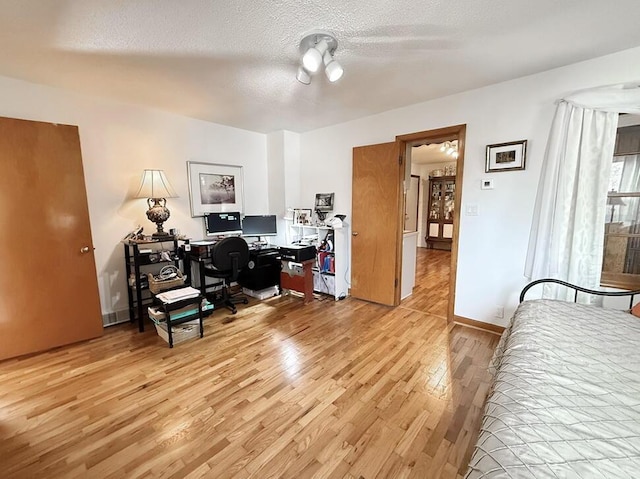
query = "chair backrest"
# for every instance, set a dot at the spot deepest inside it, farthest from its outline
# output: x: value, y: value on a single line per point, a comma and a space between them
x: 230, y: 255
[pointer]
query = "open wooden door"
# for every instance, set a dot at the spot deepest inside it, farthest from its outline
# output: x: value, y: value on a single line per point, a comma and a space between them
x: 49, y: 289
x: 376, y: 241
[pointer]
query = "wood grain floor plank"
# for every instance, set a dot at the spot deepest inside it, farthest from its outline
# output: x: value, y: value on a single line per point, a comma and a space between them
x: 325, y: 390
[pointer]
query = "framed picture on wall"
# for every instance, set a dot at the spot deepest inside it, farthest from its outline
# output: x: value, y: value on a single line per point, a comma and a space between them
x: 324, y: 201
x: 215, y: 188
x: 506, y: 156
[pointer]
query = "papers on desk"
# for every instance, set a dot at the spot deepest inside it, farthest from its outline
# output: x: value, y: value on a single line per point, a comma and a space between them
x: 178, y: 295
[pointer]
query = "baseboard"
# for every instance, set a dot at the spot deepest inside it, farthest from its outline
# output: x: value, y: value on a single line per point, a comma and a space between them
x: 117, y: 317
x: 472, y: 323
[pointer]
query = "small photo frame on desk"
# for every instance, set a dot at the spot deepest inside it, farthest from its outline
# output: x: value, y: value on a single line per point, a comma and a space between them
x: 302, y: 216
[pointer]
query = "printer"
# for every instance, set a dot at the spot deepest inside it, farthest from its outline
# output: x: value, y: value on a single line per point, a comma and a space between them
x: 297, y: 253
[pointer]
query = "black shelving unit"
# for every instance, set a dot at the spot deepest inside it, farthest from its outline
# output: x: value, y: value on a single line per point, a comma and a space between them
x: 170, y: 308
x: 139, y: 264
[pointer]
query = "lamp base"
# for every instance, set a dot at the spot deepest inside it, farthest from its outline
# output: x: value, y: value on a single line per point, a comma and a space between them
x: 158, y: 213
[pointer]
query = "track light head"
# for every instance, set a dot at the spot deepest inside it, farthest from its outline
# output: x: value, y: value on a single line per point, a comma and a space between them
x: 312, y: 58
x: 303, y: 76
x: 332, y: 68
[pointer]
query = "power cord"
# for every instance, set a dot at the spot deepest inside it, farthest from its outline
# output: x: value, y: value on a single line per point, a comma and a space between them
x: 167, y: 272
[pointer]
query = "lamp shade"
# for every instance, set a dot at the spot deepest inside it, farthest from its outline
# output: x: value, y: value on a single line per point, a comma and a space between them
x: 154, y: 184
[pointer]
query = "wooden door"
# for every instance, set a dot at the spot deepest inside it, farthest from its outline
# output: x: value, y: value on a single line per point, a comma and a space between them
x: 376, y: 241
x: 48, y: 276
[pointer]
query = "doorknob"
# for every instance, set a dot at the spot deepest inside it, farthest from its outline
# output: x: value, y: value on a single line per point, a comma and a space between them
x: 84, y: 249
x: 355, y: 233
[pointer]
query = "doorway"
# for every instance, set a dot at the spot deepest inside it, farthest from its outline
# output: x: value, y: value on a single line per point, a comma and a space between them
x: 411, y: 204
x: 437, y: 157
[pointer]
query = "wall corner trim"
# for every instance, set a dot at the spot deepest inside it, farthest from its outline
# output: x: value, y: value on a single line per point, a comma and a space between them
x: 472, y: 323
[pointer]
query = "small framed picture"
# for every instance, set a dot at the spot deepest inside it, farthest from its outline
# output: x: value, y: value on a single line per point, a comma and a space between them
x: 324, y: 202
x: 506, y: 156
x: 302, y: 217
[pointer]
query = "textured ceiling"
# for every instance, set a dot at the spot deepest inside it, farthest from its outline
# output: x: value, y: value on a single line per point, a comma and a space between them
x: 422, y: 154
x: 234, y: 62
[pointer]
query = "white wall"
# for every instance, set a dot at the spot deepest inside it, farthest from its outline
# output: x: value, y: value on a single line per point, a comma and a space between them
x: 283, y: 160
x: 118, y: 141
x: 492, y: 245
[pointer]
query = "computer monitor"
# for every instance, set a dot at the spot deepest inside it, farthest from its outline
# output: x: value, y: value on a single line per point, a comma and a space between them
x: 218, y: 224
x: 259, y: 225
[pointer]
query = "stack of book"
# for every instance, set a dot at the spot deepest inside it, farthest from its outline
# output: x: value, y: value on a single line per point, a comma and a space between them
x: 176, y: 295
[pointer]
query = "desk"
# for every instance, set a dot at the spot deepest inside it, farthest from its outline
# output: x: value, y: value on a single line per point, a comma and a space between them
x: 263, y: 270
x: 199, y: 252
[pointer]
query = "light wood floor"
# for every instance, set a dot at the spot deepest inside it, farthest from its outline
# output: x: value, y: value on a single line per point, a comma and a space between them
x: 332, y: 389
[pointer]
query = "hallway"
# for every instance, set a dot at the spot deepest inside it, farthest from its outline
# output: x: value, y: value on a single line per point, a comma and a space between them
x: 431, y: 291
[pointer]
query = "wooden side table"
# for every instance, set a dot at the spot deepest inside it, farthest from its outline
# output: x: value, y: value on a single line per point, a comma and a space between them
x: 298, y: 277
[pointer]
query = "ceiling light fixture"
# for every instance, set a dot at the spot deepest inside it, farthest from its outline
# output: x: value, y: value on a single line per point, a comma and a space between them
x: 317, y: 48
x: 449, y: 148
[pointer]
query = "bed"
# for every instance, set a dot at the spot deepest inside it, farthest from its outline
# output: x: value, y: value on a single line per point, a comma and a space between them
x: 565, y: 397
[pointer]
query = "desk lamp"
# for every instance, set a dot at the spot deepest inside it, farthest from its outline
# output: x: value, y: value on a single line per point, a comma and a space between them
x: 156, y: 188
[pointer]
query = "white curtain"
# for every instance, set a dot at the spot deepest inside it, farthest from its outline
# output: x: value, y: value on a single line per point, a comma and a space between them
x: 568, y: 224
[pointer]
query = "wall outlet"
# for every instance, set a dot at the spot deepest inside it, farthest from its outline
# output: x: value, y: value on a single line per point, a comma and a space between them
x: 499, y: 314
x: 472, y: 210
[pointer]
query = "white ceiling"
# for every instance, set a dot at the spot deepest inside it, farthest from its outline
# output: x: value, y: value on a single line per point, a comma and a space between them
x: 234, y: 62
x: 422, y: 154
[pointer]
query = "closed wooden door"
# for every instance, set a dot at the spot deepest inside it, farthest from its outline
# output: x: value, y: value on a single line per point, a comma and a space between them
x: 377, y: 218
x: 49, y: 290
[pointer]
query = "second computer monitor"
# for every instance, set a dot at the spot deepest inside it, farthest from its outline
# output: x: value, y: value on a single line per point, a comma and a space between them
x: 259, y: 225
x: 220, y: 224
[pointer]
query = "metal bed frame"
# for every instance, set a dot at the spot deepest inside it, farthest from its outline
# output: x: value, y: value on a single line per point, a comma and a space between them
x: 579, y: 289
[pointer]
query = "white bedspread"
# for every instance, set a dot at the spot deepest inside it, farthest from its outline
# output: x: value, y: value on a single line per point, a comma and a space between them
x: 566, y: 398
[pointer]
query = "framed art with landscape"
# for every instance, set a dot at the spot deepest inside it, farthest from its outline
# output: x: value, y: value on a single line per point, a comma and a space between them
x: 215, y: 188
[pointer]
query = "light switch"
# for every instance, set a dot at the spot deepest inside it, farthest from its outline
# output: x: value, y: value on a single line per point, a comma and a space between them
x: 487, y: 184
x: 472, y: 210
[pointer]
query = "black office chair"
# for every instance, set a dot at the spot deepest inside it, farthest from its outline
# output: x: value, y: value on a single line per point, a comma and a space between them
x: 228, y: 257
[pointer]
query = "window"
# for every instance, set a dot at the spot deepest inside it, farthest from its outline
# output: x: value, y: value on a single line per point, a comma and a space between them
x: 621, y: 261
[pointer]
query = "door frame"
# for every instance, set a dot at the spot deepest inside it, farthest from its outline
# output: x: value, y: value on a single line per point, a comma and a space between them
x: 449, y: 133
